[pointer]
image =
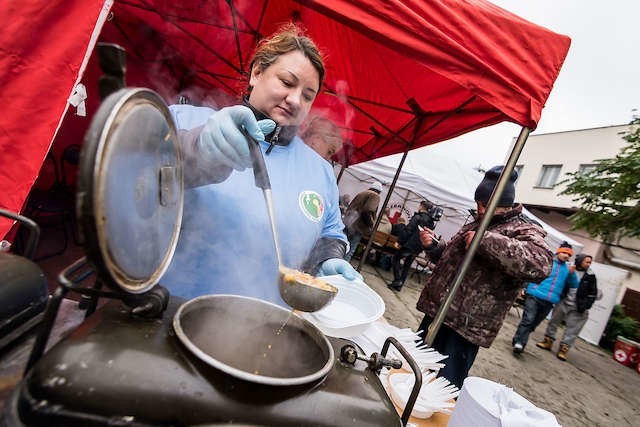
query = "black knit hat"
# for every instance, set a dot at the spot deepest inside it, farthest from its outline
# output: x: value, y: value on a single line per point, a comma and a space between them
x: 488, y: 183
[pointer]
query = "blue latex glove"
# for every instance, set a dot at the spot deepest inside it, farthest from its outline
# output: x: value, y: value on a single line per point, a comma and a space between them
x: 222, y: 138
x: 338, y: 266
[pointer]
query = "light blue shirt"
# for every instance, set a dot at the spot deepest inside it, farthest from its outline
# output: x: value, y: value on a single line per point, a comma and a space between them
x: 225, y: 244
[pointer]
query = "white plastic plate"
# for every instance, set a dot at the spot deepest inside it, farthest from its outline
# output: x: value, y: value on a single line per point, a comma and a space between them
x: 353, y: 309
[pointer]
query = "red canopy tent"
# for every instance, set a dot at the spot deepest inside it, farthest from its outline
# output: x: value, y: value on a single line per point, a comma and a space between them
x: 401, y: 74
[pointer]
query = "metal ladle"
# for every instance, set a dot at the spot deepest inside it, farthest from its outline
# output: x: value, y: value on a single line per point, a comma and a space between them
x: 299, y: 290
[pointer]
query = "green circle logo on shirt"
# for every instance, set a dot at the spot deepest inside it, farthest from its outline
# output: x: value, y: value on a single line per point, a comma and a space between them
x: 311, y: 205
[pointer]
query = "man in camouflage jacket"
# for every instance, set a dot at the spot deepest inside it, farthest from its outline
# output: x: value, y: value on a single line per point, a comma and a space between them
x: 512, y: 252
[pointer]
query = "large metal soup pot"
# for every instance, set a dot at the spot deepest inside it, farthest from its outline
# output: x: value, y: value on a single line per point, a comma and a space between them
x: 244, y: 337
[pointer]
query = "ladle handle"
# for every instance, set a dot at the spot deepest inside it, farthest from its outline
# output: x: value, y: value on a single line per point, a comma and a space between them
x: 259, y: 167
x: 262, y: 181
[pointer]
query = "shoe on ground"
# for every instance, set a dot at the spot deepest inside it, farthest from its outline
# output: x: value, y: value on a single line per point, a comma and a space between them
x: 545, y: 344
x: 396, y: 286
x: 518, y: 348
x: 562, y: 352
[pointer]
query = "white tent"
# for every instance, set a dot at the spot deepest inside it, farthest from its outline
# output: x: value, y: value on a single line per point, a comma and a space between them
x: 440, y: 181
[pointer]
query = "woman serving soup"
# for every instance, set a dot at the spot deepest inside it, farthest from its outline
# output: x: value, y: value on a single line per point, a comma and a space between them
x: 225, y: 244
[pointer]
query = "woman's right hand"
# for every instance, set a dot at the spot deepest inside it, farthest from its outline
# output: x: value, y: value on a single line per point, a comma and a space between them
x: 222, y: 140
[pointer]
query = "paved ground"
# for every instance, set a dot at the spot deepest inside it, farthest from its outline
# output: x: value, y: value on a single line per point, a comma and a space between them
x: 590, y: 389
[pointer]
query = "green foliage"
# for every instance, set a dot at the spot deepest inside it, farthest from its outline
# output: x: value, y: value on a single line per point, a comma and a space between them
x: 608, y: 195
x: 619, y: 325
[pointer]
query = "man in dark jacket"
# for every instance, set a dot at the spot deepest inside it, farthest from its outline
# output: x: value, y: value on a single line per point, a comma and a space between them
x: 511, y: 252
x: 573, y: 308
x: 410, y: 245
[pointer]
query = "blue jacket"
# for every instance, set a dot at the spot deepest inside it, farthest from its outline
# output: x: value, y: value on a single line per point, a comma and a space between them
x: 550, y: 289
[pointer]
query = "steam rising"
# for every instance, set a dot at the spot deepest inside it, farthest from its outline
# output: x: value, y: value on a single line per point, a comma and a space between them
x: 225, y: 244
x: 337, y: 109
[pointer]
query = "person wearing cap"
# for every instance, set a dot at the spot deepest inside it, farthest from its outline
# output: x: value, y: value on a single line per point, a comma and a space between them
x: 410, y: 244
x: 512, y: 251
x: 541, y: 297
x: 573, y: 308
x: 360, y: 216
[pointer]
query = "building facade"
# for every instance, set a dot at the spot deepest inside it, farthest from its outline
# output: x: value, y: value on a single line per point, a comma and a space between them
x: 545, y: 162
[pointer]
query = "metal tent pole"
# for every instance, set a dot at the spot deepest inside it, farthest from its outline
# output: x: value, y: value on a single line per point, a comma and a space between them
x: 475, y: 242
x: 364, y: 255
x: 406, y: 198
x: 342, y: 168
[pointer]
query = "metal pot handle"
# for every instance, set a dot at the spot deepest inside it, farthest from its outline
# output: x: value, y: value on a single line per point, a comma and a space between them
x: 34, y: 231
x: 406, y: 413
x: 349, y: 354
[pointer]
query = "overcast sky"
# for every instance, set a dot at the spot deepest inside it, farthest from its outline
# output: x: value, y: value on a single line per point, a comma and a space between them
x: 599, y: 84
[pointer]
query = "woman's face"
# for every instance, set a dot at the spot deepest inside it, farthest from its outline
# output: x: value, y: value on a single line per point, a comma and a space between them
x: 286, y: 89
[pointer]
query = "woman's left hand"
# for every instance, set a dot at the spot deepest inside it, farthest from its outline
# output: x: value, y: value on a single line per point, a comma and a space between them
x: 223, y: 141
x: 338, y: 266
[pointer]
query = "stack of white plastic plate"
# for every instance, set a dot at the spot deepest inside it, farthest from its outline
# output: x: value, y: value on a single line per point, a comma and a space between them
x: 476, y: 404
x: 486, y: 403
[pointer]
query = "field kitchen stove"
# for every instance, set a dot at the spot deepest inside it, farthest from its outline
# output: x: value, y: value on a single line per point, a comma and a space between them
x: 145, y: 358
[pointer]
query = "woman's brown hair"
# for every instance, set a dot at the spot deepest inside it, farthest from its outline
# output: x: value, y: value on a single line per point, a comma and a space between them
x: 287, y: 39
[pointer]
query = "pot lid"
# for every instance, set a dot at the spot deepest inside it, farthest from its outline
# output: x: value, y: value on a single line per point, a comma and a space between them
x: 130, y: 190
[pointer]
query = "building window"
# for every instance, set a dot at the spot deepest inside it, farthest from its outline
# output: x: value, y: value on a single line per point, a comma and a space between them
x: 518, y: 169
x: 586, y: 168
x: 548, y: 176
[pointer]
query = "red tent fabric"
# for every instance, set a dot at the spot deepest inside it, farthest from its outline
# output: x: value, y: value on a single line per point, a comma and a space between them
x: 43, y: 45
x: 401, y: 74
